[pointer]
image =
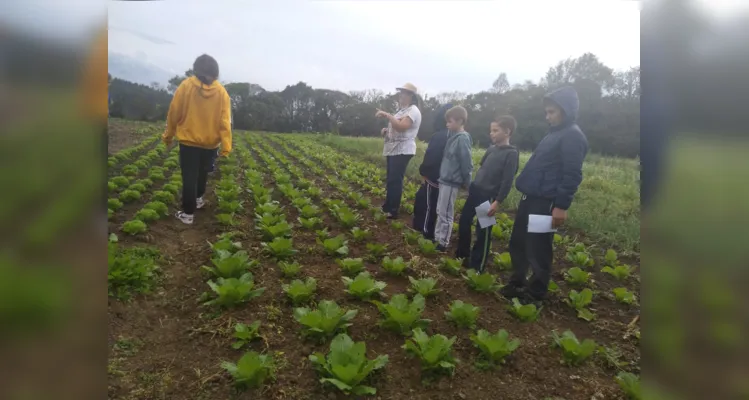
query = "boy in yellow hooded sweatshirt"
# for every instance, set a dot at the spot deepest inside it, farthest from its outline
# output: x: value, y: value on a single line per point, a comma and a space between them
x: 200, y: 118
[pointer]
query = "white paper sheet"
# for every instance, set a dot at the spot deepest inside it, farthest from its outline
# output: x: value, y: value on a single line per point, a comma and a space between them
x: 481, y: 214
x: 539, y: 223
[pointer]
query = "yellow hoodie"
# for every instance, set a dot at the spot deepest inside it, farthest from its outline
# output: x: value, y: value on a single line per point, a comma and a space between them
x: 200, y: 116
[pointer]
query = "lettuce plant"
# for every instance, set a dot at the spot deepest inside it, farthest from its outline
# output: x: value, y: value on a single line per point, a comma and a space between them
x: 346, y: 366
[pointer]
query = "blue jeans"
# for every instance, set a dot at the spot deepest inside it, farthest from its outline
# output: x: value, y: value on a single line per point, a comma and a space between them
x: 396, y: 170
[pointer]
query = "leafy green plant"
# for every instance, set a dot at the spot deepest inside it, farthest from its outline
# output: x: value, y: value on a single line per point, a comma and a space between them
x: 495, y: 348
x: 268, y: 219
x: 610, y: 257
x: 132, y: 270
x: 120, y: 181
x: 427, y: 246
x: 412, y: 237
x: 580, y: 300
x: 451, y: 266
x: 268, y: 208
x: 425, y: 286
x: 231, y: 292
x: 503, y: 261
x: 347, y: 218
x: 225, y: 243
x: 462, y: 314
x: 630, y: 384
x: 137, y: 187
x: 147, y: 215
x: 114, y: 204
x: 163, y: 196
x: 289, y: 269
x: 280, y: 248
x: 156, y: 175
x: 399, y: 225
x: 130, y: 170
x: 483, y: 283
x: 363, y: 286
x: 129, y: 196
x: 401, y: 315
x: 314, y: 192
x: 576, y: 276
x: 335, y: 246
x: 157, y: 206
x: 347, y: 366
x: 325, y: 321
x: 580, y: 260
x: 574, y: 352
x: 226, y: 219
x: 134, y: 227
x: 525, y: 313
x: 228, y: 265
x: 435, y: 352
x: 300, y: 291
x: 351, y: 266
x: 360, y: 235
x: 376, y: 250
x: 623, y: 295
x: 279, y: 230
x: 394, y: 266
x: 309, y: 211
x: 244, y: 334
x: 230, y: 206
x: 251, y: 370
x: 310, y: 223
x: 620, y: 272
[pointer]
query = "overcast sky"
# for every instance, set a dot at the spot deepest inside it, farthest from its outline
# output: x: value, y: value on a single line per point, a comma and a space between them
x: 352, y: 45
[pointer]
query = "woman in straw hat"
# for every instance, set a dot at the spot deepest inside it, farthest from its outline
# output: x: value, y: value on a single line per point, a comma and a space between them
x: 400, y: 144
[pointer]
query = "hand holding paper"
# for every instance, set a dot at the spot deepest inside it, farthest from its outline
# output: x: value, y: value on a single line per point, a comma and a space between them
x: 539, y: 224
x: 482, y: 213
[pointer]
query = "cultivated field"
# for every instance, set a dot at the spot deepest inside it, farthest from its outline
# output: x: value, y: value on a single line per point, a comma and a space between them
x: 292, y: 225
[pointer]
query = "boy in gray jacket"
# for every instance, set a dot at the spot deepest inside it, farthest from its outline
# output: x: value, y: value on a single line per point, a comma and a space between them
x: 455, y: 173
x: 493, y: 183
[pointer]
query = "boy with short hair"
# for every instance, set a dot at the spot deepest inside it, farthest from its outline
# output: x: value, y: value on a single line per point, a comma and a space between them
x: 548, y: 183
x: 455, y: 173
x: 493, y: 183
x: 425, y: 202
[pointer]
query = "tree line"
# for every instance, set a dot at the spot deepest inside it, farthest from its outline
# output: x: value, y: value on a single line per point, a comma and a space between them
x: 609, y: 106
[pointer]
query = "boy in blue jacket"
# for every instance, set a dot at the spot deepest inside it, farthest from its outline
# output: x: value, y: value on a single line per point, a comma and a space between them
x: 548, y: 183
x: 425, y: 203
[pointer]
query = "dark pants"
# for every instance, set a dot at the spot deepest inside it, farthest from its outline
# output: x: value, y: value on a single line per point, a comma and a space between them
x: 396, y: 170
x: 213, y: 161
x: 534, y: 249
x: 425, y: 209
x: 480, y: 253
x: 194, y: 163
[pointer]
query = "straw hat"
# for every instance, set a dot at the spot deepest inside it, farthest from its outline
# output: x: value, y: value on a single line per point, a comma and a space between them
x: 409, y: 87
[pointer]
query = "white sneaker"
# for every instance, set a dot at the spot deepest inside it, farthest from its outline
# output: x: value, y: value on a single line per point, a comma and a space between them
x: 199, y: 203
x: 185, y: 218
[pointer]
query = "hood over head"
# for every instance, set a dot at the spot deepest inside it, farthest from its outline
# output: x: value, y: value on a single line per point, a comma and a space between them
x: 205, y: 91
x: 566, y: 98
x: 439, y: 118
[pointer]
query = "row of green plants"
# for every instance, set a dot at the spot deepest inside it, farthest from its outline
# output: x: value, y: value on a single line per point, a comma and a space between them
x: 132, y: 190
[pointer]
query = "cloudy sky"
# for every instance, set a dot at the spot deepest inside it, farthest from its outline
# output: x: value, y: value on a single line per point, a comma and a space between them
x: 351, y: 45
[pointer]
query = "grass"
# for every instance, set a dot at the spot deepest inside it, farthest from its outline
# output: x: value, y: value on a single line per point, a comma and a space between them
x: 606, y: 207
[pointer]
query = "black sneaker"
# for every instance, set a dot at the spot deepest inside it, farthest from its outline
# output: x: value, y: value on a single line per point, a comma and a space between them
x: 441, y: 248
x: 511, y: 291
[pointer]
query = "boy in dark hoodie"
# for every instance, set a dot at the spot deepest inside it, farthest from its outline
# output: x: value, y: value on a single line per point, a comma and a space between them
x: 425, y: 203
x: 548, y: 183
x: 493, y: 183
